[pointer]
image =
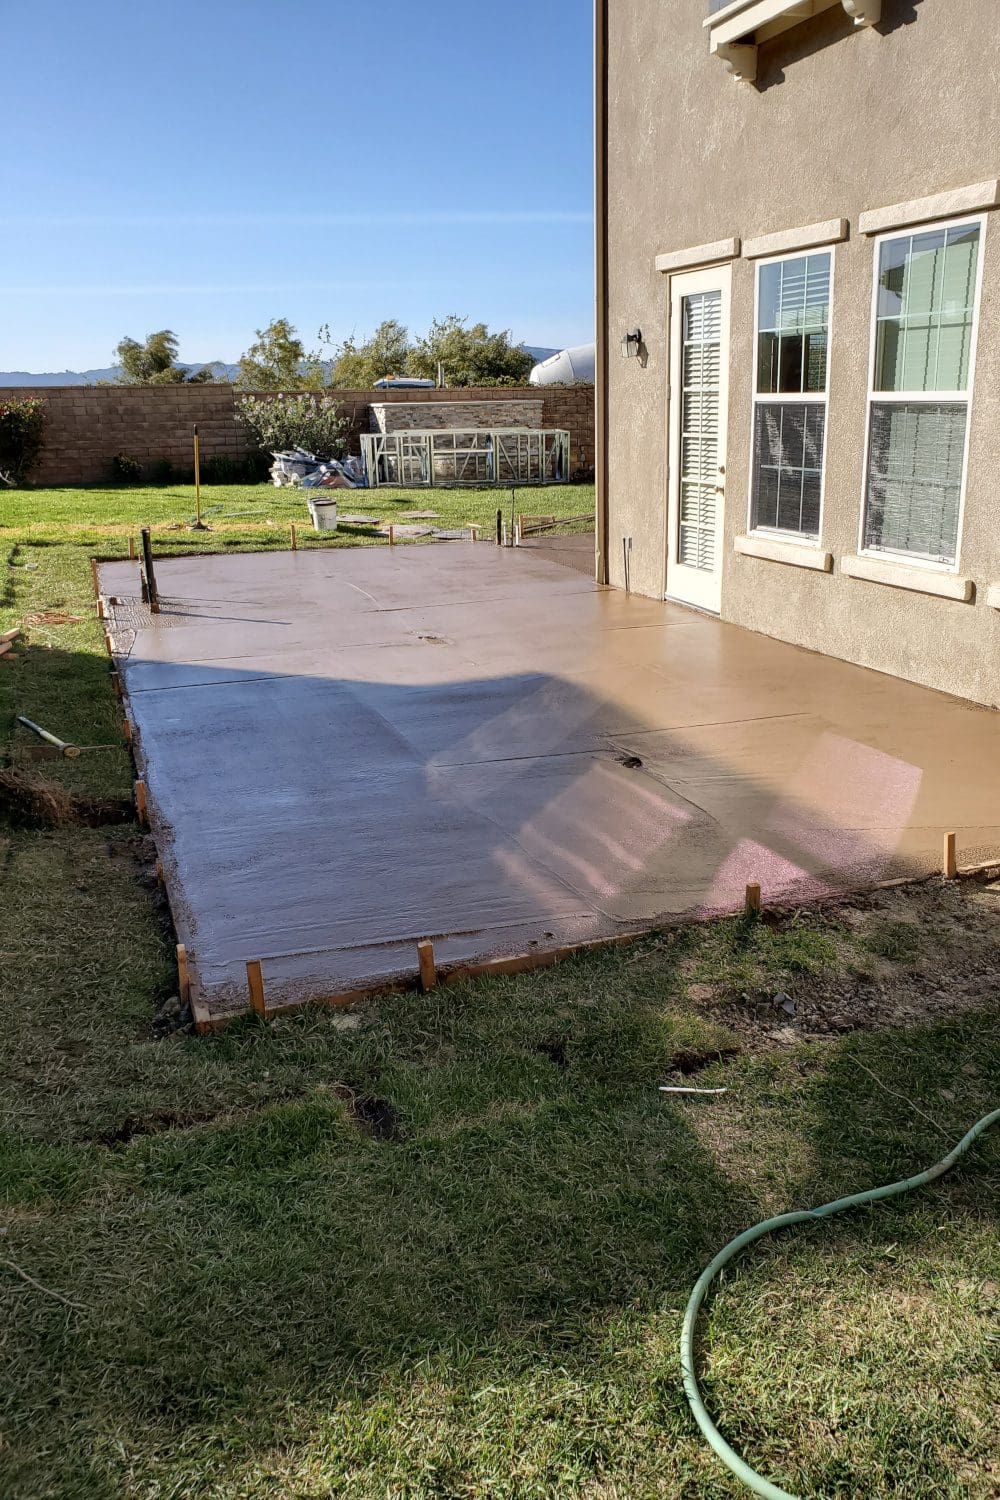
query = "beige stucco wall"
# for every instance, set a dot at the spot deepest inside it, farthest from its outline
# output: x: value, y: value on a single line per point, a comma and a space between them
x: 840, y: 121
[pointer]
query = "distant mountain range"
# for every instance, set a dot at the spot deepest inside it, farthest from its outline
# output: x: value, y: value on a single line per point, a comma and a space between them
x: 93, y: 377
x: 220, y: 371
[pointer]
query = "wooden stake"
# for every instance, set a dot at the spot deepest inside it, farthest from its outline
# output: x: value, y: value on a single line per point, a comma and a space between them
x: 392, y: 536
x: 127, y: 729
x: 116, y: 683
x: 753, y: 899
x: 255, y: 979
x: 131, y: 547
x: 949, y: 860
x: 295, y: 540
x: 109, y: 648
x: 160, y: 877
x: 474, y: 533
x: 11, y: 635
x: 93, y: 575
x: 102, y: 613
x: 428, y: 968
x: 183, y: 982
x: 141, y: 804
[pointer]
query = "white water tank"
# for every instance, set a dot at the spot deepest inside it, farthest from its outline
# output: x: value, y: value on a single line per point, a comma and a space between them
x: 569, y: 367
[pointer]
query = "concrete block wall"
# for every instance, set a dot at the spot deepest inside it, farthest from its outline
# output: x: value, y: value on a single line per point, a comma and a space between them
x: 88, y: 425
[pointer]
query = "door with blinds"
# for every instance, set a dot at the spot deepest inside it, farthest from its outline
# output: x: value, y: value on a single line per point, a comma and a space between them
x: 699, y: 373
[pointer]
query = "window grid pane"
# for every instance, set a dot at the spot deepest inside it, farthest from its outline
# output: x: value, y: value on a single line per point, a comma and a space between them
x: 793, y: 312
x: 788, y: 466
x: 915, y: 462
x: 926, y: 297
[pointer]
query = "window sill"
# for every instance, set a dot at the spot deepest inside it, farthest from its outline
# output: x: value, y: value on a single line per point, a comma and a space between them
x: 795, y: 554
x: 901, y: 576
x: 735, y: 30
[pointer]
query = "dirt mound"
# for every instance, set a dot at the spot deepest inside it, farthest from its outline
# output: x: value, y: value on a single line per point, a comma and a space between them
x: 35, y: 802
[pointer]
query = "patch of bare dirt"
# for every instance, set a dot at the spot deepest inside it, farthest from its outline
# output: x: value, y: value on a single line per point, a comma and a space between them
x: 908, y: 957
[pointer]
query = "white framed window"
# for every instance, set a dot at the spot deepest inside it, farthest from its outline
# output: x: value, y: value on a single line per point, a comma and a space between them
x: 791, y: 386
x: 925, y: 314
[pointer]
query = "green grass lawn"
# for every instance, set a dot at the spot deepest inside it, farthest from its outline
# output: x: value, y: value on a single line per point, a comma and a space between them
x: 255, y: 516
x: 441, y: 1246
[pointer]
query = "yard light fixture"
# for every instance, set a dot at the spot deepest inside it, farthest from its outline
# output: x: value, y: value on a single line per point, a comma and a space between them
x: 631, y: 344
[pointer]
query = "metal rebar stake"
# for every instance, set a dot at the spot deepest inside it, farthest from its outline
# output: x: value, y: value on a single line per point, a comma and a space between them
x: 150, y: 576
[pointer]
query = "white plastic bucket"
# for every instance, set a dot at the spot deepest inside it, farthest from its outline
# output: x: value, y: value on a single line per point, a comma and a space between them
x: 324, y: 514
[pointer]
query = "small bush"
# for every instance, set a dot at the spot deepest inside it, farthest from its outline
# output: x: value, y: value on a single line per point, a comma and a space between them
x: 222, y: 468
x: 125, y: 469
x: 161, y: 471
x: 22, y: 430
x: 277, y: 423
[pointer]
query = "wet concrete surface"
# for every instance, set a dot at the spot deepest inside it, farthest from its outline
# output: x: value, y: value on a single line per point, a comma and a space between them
x: 350, y: 750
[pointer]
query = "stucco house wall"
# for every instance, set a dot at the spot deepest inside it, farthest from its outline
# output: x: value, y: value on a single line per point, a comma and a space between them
x: 840, y: 121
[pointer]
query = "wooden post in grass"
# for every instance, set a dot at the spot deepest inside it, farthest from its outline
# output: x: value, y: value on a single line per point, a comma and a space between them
x: 160, y: 877
x: 474, y: 533
x: 255, y: 979
x: 752, y: 907
x: 127, y: 729
x: 499, y: 527
x: 392, y: 535
x: 131, y: 547
x: 183, y: 982
x: 108, y: 644
x: 141, y: 804
x: 102, y: 613
x: 428, y: 968
x: 294, y: 536
x: 116, y: 683
x: 949, y: 859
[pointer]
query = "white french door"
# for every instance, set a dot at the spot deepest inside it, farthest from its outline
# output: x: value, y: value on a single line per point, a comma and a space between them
x: 699, y: 379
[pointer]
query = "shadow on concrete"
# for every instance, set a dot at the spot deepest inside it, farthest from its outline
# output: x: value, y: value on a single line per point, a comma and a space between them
x: 326, y: 825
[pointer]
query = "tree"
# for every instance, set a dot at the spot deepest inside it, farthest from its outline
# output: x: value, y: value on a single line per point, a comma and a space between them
x: 277, y: 361
x: 154, y: 362
x: 280, y: 422
x: 151, y: 363
x: 22, y: 428
x: 469, y: 356
x: 357, y: 366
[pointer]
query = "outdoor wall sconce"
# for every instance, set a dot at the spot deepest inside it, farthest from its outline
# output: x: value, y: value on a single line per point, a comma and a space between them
x: 631, y: 344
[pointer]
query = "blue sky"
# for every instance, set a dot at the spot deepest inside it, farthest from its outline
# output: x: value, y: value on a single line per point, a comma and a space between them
x: 206, y: 167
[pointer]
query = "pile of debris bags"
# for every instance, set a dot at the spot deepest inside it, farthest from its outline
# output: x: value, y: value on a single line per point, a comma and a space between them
x: 297, y: 467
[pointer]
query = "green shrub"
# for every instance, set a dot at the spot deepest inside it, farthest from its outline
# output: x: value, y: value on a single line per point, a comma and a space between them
x: 125, y: 469
x: 22, y: 429
x: 277, y: 423
x: 161, y: 471
x: 222, y: 468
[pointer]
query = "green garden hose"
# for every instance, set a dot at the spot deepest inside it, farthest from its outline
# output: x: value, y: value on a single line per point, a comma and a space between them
x: 716, y: 1441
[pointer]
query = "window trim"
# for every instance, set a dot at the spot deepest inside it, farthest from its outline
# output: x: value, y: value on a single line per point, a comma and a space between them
x: 930, y: 398
x: 813, y: 397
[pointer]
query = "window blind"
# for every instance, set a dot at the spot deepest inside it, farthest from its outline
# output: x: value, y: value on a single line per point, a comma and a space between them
x: 700, y: 374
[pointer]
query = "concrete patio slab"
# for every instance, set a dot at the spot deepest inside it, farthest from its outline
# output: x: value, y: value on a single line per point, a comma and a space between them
x: 347, y: 751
